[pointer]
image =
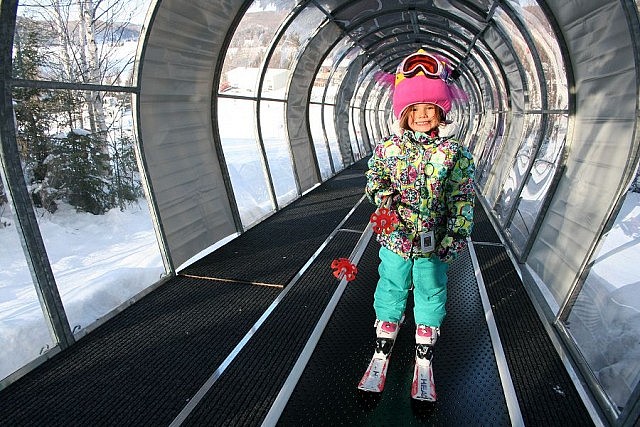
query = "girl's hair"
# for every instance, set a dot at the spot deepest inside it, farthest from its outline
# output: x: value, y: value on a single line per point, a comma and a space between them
x: 404, y: 117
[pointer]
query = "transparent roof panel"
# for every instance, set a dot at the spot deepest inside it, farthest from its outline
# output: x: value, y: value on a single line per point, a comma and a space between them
x: 250, y: 44
x: 322, y: 83
x: 357, y: 10
x: 523, y: 54
x: 363, y: 25
x: 386, y: 33
x: 339, y: 73
x: 292, y: 41
x: 473, y: 13
x: 454, y: 27
x: 547, y: 47
x: 71, y: 49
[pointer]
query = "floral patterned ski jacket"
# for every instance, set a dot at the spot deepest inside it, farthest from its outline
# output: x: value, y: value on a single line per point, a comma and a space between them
x: 430, y: 182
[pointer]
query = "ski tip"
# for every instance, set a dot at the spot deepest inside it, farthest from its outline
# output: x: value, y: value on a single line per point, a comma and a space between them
x: 427, y: 399
x: 423, y: 388
x: 370, y: 389
x: 371, y: 384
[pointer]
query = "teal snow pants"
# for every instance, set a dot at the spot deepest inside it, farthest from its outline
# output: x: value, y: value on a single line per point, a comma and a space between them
x: 429, y: 278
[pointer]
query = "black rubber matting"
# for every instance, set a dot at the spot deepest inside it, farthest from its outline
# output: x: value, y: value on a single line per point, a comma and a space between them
x: 274, y: 251
x: 244, y: 394
x: 545, y: 392
x: 142, y: 366
x: 465, y: 370
x: 483, y: 230
x: 360, y: 217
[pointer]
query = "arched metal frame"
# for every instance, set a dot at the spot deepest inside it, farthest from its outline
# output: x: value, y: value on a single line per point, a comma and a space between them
x: 493, y: 76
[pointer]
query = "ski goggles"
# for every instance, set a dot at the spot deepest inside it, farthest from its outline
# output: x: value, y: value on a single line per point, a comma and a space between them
x: 431, y: 66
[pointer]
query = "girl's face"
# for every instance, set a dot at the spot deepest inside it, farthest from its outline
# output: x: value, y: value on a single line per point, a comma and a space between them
x: 423, y: 117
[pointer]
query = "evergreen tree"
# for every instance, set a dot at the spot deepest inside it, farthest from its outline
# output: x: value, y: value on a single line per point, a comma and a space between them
x: 75, y: 166
x: 32, y: 110
x: 126, y: 186
x: 76, y: 170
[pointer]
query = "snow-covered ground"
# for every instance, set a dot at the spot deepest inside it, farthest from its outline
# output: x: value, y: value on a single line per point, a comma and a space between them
x: 98, y: 261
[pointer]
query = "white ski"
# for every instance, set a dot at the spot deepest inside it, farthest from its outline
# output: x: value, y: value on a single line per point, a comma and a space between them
x: 375, y: 375
x: 423, y: 388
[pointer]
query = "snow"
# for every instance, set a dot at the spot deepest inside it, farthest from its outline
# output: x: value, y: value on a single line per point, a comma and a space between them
x: 99, y: 262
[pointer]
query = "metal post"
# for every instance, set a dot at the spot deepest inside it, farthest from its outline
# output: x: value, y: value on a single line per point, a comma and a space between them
x: 28, y: 229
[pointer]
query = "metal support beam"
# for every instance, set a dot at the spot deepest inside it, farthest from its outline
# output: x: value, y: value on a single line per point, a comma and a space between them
x: 27, y: 224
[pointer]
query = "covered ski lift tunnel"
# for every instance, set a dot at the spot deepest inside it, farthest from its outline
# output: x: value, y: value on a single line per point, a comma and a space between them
x: 289, y: 93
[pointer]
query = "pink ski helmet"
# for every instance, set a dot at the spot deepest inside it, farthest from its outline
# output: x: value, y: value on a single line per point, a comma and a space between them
x: 422, y: 78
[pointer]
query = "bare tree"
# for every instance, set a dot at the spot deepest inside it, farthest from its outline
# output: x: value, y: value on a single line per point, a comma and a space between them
x: 87, y: 35
x: 84, y: 37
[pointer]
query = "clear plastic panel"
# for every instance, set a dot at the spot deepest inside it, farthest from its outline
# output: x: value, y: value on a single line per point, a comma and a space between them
x: 539, y: 181
x: 381, y: 39
x: 319, y: 142
x: 604, y: 320
x: 236, y: 119
x: 293, y: 40
x: 278, y: 153
x: 330, y: 128
x: 361, y: 139
x: 372, y: 99
x: 547, y: 47
x: 425, y: 19
x: 337, y: 54
x: 364, y: 78
x: 361, y: 11
x: 385, y: 118
x: 24, y: 332
x: 85, y: 185
x: 354, y: 133
x: 490, y: 148
x: 493, y: 69
x: 249, y: 46
x: 322, y: 83
x: 471, y: 15
x: 509, y: 195
x: 340, y: 73
x: 374, y: 129
x: 524, y: 55
x: 99, y: 51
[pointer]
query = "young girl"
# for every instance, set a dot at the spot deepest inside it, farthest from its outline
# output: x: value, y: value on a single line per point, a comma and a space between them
x: 427, y: 181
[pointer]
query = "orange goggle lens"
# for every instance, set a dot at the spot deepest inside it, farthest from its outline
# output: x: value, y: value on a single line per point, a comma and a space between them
x: 424, y: 62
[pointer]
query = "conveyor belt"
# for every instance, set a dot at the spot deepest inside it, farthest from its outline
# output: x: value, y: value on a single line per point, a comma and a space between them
x: 465, y: 371
x: 143, y: 365
x: 227, y: 347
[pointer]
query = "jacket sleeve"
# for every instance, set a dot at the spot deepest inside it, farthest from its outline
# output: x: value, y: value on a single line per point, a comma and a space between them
x: 379, y: 183
x: 460, y: 197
